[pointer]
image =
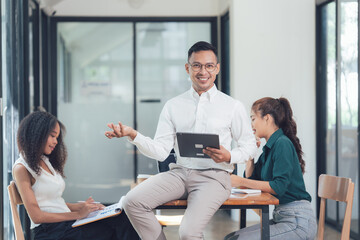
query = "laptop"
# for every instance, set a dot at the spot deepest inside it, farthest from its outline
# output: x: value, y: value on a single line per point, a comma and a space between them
x: 192, y: 144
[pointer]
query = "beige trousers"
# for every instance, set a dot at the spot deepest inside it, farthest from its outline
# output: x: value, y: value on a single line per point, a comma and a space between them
x: 205, y: 191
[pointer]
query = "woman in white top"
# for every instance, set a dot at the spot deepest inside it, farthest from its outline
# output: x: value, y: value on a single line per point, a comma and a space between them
x: 39, y: 176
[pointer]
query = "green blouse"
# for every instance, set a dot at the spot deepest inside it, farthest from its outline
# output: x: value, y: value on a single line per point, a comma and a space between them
x: 279, y: 165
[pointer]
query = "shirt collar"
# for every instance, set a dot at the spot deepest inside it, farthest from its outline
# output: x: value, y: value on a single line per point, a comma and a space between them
x: 278, y: 133
x: 210, y: 94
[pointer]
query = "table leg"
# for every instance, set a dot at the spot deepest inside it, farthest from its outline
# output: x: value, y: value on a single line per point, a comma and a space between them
x: 265, y: 223
x: 242, y: 218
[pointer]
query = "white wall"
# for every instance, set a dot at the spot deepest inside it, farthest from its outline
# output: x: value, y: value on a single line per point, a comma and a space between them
x: 273, y: 54
x: 223, y: 6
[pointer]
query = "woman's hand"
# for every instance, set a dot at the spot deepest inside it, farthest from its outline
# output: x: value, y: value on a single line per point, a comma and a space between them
x: 250, y: 163
x: 88, y: 206
x: 258, y: 142
x: 239, y: 182
x: 250, y: 166
x: 91, y: 200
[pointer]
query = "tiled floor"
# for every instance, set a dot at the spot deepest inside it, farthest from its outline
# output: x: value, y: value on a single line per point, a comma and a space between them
x: 221, y: 224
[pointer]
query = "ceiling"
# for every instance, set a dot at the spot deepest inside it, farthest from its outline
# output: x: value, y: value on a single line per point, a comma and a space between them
x: 133, y: 8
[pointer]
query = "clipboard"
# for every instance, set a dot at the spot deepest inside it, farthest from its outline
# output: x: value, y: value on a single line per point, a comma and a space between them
x: 192, y: 144
x: 109, y: 211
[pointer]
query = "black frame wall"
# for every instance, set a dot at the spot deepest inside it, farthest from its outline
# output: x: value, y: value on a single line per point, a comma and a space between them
x: 225, y: 54
x: 35, y: 19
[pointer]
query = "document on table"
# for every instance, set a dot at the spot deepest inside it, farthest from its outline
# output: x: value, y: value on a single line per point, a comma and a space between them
x: 245, y: 191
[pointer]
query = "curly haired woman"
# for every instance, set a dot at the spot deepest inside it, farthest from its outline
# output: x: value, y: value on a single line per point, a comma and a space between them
x: 39, y: 174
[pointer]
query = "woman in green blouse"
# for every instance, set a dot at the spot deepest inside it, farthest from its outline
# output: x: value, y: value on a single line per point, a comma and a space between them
x: 279, y: 171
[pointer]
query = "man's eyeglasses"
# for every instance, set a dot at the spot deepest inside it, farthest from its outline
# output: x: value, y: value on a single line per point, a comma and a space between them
x: 196, y: 67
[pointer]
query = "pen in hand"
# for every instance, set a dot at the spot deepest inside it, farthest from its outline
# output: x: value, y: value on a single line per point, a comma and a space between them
x: 91, y: 202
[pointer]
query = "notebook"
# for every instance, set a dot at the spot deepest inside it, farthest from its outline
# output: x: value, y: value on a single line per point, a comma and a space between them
x: 109, y: 211
x: 245, y: 190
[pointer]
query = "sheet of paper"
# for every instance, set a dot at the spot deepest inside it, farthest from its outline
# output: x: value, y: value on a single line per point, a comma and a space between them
x: 237, y: 195
x: 245, y: 191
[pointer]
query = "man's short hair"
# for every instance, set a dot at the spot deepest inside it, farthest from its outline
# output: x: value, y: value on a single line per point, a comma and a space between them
x: 202, y: 46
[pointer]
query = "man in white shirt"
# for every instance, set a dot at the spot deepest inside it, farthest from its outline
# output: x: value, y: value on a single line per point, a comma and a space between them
x: 205, y: 183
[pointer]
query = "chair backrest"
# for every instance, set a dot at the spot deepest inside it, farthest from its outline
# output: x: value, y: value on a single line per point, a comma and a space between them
x: 15, y: 200
x: 338, y: 189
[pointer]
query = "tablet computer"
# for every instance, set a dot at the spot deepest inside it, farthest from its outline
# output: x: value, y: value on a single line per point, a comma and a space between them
x: 192, y: 144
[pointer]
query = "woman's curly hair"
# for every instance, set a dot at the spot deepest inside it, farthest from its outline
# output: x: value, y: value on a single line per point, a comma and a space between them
x: 32, y: 137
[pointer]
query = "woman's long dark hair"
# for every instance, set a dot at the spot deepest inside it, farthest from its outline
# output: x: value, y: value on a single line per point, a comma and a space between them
x: 32, y: 137
x: 280, y: 110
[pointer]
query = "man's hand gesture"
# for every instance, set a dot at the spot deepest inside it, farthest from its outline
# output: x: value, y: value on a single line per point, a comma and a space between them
x: 120, y: 131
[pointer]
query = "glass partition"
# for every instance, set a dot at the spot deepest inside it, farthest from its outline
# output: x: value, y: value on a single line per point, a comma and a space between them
x: 348, y: 136
x: 6, y: 154
x: 329, y: 15
x: 12, y: 90
x: 95, y: 87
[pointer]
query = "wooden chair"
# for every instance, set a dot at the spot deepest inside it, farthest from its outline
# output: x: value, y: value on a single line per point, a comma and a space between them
x: 338, y: 189
x: 15, y: 200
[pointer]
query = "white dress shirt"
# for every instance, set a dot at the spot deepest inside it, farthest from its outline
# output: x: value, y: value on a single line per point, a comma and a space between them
x: 212, y: 112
